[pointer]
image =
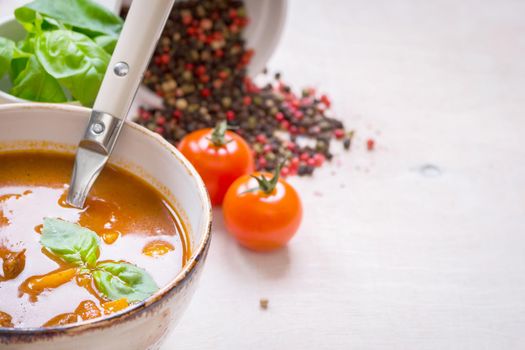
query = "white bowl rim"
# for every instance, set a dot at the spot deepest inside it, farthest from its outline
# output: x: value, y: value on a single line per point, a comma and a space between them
x: 199, y: 252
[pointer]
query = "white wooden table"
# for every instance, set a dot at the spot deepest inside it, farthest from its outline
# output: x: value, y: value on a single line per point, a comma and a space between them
x: 393, y: 253
x: 391, y: 257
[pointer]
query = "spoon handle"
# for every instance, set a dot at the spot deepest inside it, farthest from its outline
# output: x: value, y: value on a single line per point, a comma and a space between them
x: 139, y: 36
x: 142, y: 29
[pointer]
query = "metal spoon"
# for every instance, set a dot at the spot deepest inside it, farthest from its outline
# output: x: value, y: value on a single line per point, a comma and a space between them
x: 139, y: 36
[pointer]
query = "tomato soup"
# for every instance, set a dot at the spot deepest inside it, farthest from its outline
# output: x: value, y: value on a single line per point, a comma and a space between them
x: 61, y: 265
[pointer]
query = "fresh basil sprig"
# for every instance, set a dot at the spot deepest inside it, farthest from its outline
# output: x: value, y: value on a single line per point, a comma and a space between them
x: 70, y: 242
x: 66, y: 51
x: 74, y: 60
x: 85, y: 16
x: 123, y: 280
x: 80, y: 246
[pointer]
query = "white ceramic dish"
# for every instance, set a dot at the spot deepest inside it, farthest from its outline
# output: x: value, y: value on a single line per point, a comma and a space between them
x: 143, y: 326
x: 267, y: 19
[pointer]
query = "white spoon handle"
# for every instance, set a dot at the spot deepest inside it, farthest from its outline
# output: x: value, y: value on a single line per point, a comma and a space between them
x: 142, y: 29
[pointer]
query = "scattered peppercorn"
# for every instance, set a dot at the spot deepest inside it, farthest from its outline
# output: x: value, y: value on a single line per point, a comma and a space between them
x: 370, y: 144
x: 199, y: 69
x: 263, y: 303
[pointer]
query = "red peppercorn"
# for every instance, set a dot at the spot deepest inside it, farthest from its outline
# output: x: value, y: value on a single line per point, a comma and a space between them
x: 279, y: 116
x: 217, y: 84
x: 161, y: 120
x: 159, y: 130
x: 145, y: 115
x: 177, y: 114
x: 234, y: 29
x: 241, y: 21
x: 311, y: 162
x: 232, y: 13
x: 230, y: 115
x: 261, y: 138
x: 262, y: 162
x: 219, y: 53
x: 298, y: 115
x: 200, y: 70
x: 165, y: 58
x: 218, y: 36
x: 319, y: 159
x: 325, y: 101
x: 204, y: 78
x: 186, y: 19
x: 188, y: 66
x: 304, y: 156
x: 206, y: 24
x: 370, y: 144
x: 247, y: 100
x: 294, y: 162
x: 339, y: 133
x: 285, y: 124
x: 293, y: 130
x: 285, y: 171
x: 223, y: 74
x: 205, y: 92
x: 267, y: 148
x: 290, y: 145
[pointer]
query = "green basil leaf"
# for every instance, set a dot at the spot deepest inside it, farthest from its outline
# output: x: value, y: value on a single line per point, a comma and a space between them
x: 7, y: 48
x: 117, y: 280
x: 24, y: 50
x: 107, y: 42
x: 85, y: 16
x: 29, y: 19
x: 75, y: 60
x: 28, y: 44
x: 35, y: 84
x: 70, y: 242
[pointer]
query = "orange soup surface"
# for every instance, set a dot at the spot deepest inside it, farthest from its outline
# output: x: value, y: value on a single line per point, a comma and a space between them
x: 61, y: 265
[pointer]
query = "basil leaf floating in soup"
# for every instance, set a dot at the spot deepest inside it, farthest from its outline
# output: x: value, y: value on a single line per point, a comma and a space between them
x: 75, y: 60
x: 117, y: 280
x: 84, y: 16
x: 70, y: 242
x: 35, y: 84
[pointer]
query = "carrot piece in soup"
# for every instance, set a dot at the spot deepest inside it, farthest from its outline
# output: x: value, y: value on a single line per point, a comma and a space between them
x: 13, y: 263
x: 37, y: 284
x: 88, y: 310
x: 157, y: 248
x: 110, y: 237
x: 115, y: 306
x: 61, y: 320
x: 6, y: 320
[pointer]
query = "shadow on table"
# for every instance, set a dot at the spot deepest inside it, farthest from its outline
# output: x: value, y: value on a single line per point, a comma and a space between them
x: 269, y: 265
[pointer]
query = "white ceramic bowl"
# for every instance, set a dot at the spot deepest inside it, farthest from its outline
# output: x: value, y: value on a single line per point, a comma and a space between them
x: 267, y: 18
x: 143, y: 326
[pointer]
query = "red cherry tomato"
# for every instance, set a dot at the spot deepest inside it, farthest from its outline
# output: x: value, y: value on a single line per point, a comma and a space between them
x: 219, y: 156
x: 262, y: 214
